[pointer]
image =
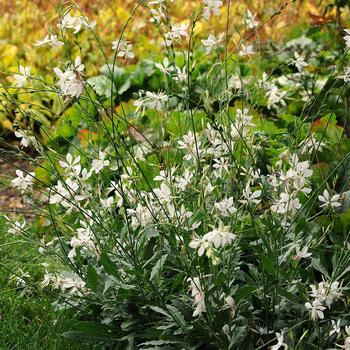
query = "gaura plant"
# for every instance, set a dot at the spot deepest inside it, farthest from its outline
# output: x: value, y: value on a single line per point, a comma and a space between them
x: 212, y: 211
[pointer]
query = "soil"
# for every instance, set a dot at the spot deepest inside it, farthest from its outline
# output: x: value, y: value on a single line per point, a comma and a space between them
x: 11, y: 200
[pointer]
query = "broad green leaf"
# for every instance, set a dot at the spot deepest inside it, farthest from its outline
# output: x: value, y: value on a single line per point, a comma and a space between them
x: 244, y: 293
x: 109, y: 266
x: 176, y: 314
x: 317, y: 265
x: 158, y: 267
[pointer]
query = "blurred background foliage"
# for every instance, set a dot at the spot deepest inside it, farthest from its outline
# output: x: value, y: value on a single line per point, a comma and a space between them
x: 24, y: 22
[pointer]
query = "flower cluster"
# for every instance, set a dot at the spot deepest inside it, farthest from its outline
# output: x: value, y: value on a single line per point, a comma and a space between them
x: 324, y: 294
x: 205, y: 200
x: 70, y: 81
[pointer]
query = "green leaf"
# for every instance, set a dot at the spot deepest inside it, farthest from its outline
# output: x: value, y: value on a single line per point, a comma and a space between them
x: 177, y: 316
x: 82, y: 337
x: 317, y: 265
x: 289, y: 296
x: 268, y: 127
x: 109, y: 266
x: 158, y: 267
x: 244, y: 292
x: 159, y: 310
x: 102, y: 85
x: 88, y: 331
x: 92, y: 277
x: 127, y: 324
x: 268, y: 265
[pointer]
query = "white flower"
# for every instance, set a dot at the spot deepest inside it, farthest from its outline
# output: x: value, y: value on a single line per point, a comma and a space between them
x: 107, y: 203
x: 200, y: 244
x: 176, y: 33
x: 166, y: 67
x: 86, y: 24
x: 347, y: 38
x: 165, y: 175
x: 249, y: 20
x: 329, y: 202
x: 250, y: 197
x: 246, y: 50
x: 280, y: 337
x: 157, y: 15
x: 50, y: 40
x: 156, y: 100
x: 124, y: 49
x: 211, y: 6
x: 140, y: 216
x: 181, y: 215
x: 209, y: 188
x: 152, y: 100
x: 225, y: 207
x: 163, y: 193
x: 242, y: 124
x: 325, y: 292
x: 26, y: 140
x: 180, y: 74
x: 301, y: 253
x: 296, y: 176
x: 231, y: 304
x: 219, y: 237
x: 21, y: 79
x: 264, y: 83
x: 70, y: 81
x: 72, y: 166
x: 346, y: 75
x: 22, y: 181
x: 346, y: 345
x: 285, y: 203
x: 335, y: 327
x: 218, y: 146
x: 77, y: 66
x: 83, y: 239
x: 198, y: 295
x: 17, y: 228
x: 221, y: 165
x: 48, y: 278
x: 273, y: 181
x: 275, y: 97
x: 301, y: 169
x: 69, y: 22
x: 64, y: 193
x: 73, y: 283
x: 44, y: 41
x: 191, y: 145
x: 19, y: 278
x: 183, y: 181
x: 85, y: 175
x: 211, y: 43
x: 333, y: 292
x: 316, y: 309
x: 75, y: 23
x: 311, y: 145
x: 299, y: 61
x: 99, y: 163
